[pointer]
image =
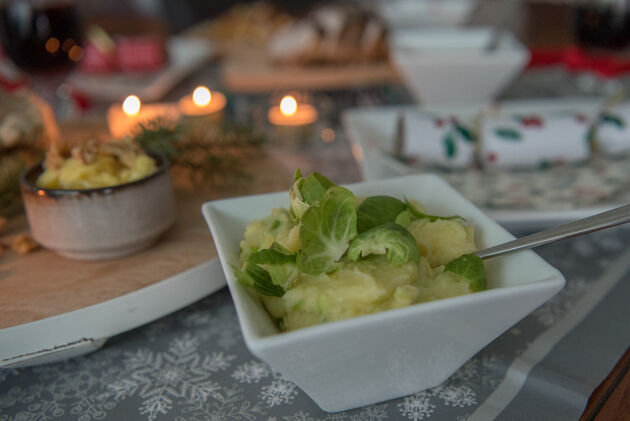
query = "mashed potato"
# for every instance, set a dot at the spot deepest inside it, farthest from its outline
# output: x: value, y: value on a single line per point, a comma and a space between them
x: 103, y: 168
x: 442, y: 240
x: 368, y: 285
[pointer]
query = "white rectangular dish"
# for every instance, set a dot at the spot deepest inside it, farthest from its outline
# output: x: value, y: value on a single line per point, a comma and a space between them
x: 368, y: 359
x: 372, y: 133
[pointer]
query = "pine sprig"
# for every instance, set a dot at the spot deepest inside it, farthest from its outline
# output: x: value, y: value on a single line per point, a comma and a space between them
x: 207, y: 152
x: 159, y: 136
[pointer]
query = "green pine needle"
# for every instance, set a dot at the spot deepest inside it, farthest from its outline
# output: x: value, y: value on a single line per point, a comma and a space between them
x: 208, y: 152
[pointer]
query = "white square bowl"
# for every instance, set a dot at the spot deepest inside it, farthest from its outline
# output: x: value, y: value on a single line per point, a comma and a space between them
x: 355, y: 362
x: 414, y: 13
x: 454, y: 66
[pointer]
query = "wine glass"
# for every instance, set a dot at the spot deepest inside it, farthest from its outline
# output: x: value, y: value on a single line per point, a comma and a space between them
x: 43, y: 38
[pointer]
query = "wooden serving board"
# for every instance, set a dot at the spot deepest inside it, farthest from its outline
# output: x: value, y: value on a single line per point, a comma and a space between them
x: 42, y: 284
x: 261, y: 75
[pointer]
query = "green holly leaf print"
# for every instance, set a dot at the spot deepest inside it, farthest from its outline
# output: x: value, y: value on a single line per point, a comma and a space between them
x: 613, y: 119
x: 507, y: 133
x: 449, y: 146
x: 464, y: 133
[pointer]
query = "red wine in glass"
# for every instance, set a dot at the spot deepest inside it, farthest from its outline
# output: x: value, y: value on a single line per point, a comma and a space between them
x: 41, y: 37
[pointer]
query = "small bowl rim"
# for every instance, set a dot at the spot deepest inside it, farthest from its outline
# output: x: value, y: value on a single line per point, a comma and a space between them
x: 26, y: 184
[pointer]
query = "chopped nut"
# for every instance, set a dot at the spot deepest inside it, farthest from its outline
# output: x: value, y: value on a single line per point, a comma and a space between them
x: 24, y: 244
x: 125, y: 150
x: 86, y: 152
x: 3, y: 223
x: 54, y: 157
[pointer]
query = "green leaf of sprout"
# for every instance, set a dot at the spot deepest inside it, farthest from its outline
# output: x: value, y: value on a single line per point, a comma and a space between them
x: 271, y: 256
x: 390, y: 239
x: 327, y: 229
x: 404, y: 218
x: 377, y: 210
x: 432, y: 218
x: 278, y: 262
x: 314, y: 187
x: 297, y: 205
x: 257, y: 278
x: 305, y: 192
x: 471, y: 268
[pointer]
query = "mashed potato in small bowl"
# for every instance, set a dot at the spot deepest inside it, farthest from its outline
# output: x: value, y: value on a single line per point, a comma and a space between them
x: 101, y: 200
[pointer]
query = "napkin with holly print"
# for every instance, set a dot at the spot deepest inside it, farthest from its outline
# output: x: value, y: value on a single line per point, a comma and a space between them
x: 533, y: 141
x: 612, y: 131
x: 437, y: 140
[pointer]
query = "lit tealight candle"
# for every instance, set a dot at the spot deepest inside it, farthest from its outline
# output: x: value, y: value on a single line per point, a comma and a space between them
x: 288, y: 105
x: 131, y: 105
x: 202, y: 96
x: 202, y: 102
x: 123, y: 120
x: 290, y: 113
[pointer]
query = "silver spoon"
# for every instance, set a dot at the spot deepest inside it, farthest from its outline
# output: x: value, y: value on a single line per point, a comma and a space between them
x: 611, y: 218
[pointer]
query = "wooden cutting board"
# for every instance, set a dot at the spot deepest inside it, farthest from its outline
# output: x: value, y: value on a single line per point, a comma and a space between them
x: 261, y: 75
x: 42, y: 284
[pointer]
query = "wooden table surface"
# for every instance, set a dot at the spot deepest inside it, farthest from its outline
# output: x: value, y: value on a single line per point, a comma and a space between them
x: 611, y: 400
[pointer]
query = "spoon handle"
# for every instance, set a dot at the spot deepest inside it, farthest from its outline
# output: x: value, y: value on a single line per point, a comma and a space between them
x: 607, y: 219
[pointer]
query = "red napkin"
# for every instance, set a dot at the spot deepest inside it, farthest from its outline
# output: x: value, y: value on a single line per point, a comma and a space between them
x: 576, y: 59
x: 131, y: 54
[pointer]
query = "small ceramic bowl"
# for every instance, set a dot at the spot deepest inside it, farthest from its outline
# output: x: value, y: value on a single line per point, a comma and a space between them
x: 103, y: 223
x: 350, y: 363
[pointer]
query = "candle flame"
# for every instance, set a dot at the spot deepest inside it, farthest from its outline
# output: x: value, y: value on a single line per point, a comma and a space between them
x: 201, y: 96
x: 131, y: 105
x: 288, y: 105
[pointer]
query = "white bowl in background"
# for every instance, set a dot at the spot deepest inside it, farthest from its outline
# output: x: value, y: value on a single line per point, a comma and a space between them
x: 377, y: 357
x: 455, y: 66
x: 414, y: 13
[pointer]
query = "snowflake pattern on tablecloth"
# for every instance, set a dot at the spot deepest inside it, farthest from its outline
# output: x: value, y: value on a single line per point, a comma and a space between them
x: 194, y: 366
x: 251, y: 372
x: 279, y: 391
x: 65, y: 391
x: 226, y: 404
x: 451, y: 395
x: 553, y: 310
x: 482, y: 370
x: 417, y: 406
x: 159, y: 378
x: 372, y: 413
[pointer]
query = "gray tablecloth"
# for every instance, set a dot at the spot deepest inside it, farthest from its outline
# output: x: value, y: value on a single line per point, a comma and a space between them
x: 193, y: 365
